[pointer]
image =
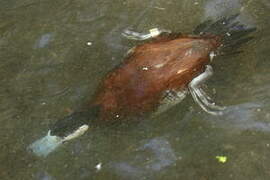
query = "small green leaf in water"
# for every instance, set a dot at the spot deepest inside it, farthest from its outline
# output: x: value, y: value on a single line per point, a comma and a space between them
x: 221, y: 159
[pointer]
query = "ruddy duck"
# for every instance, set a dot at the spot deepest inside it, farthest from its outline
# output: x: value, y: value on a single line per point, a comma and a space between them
x: 153, y: 76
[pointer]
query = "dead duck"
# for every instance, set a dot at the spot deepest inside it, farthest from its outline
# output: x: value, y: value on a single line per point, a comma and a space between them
x: 154, y: 76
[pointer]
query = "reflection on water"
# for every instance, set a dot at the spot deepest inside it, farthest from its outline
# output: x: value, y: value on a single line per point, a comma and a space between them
x: 43, y: 176
x: 44, y: 40
x: 47, y: 70
x: 150, y: 158
x: 219, y: 8
x: 244, y: 116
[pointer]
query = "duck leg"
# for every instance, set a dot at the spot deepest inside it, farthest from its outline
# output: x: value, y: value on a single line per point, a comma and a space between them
x: 144, y: 36
x: 200, y: 96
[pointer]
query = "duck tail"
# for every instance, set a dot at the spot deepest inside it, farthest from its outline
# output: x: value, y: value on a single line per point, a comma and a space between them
x: 232, y: 33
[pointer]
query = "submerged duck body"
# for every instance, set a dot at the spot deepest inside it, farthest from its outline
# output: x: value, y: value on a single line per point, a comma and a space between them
x: 150, y: 70
x: 152, y: 74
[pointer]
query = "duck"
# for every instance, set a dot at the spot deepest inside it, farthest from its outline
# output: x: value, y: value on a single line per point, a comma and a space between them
x: 154, y: 76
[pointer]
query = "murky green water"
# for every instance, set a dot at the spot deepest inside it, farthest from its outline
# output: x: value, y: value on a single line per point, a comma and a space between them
x: 47, y: 70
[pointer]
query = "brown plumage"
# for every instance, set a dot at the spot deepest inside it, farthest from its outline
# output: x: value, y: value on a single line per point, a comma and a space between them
x: 167, y: 63
x: 139, y: 85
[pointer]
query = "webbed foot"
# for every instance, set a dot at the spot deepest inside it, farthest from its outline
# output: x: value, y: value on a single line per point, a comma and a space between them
x: 144, y: 36
x: 200, y: 96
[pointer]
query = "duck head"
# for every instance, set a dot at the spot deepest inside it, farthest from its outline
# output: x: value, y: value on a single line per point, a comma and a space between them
x: 64, y: 130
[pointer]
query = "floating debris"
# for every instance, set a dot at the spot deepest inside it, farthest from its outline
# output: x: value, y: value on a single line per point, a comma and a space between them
x: 159, y: 8
x: 98, y: 166
x: 222, y: 159
x: 89, y: 43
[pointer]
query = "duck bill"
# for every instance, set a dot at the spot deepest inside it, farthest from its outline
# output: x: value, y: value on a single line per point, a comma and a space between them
x: 45, y: 145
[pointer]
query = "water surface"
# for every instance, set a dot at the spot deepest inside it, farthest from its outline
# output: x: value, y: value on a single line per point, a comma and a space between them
x: 53, y: 55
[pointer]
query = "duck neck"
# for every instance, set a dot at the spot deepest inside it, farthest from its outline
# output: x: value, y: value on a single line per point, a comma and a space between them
x: 69, y: 124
